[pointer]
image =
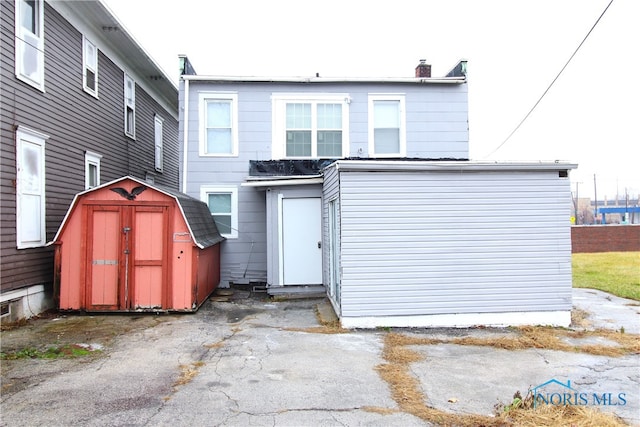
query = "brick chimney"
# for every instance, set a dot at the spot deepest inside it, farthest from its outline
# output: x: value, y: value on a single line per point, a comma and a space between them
x: 423, y: 69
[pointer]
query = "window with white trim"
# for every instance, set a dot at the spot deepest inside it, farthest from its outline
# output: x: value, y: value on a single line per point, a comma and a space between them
x: 30, y: 188
x: 89, y: 67
x: 91, y: 169
x: 218, y: 124
x: 129, y: 106
x: 29, y: 42
x: 158, y: 135
x: 387, y: 133
x: 223, y: 205
x: 310, y: 126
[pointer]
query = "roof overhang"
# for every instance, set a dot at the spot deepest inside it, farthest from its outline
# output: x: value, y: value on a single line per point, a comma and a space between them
x: 265, y: 79
x: 443, y: 166
x: 121, y: 47
x: 274, y: 181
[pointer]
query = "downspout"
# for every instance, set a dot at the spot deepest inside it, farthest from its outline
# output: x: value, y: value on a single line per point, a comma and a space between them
x: 185, y: 137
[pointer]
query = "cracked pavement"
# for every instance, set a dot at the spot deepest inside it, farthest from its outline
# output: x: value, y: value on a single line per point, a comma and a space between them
x: 253, y: 363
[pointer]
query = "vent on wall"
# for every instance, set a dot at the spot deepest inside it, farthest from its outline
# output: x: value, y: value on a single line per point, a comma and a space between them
x: 563, y: 174
x: 5, y: 309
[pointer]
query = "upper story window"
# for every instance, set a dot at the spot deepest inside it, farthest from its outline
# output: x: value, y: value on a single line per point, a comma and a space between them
x: 387, y: 127
x: 129, y: 106
x: 310, y: 126
x: 91, y: 169
x: 218, y: 124
x: 157, y: 125
x: 30, y: 188
x: 29, y: 42
x: 90, y: 67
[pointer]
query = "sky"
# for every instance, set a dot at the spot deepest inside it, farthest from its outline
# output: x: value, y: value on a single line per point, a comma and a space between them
x: 514, y: 48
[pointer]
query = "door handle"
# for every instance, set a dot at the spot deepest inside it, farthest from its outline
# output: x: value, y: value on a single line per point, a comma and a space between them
x: 319, y: 245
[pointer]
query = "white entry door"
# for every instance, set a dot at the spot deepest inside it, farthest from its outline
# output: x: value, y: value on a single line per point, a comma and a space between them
x: 301, y: 241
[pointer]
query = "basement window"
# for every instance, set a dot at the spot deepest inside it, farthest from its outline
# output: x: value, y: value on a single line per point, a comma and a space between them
x: 5, y: 309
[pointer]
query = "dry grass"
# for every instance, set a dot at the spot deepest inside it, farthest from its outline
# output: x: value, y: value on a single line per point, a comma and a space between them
x: 215, y: 345
x: 405, y: 388
x: 540, y: 337
x: 579, y: 318
x: 326, y: 327
x: 406, y: 391
x: 549, y: 415
x: 187, y: 373
x: 319, y: 330
x: 522, y: 413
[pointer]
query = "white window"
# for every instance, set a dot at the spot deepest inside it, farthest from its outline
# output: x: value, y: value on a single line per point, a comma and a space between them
x: 30, y: 188
x: 223, y: 205
x: 387, y: 134
x: 129, y: 106
x: 310, y: 126
x: 91, y: 169
x: 29, y: 42
x: 158, y: 121
x: 218, y: 124
x: 90, y: 67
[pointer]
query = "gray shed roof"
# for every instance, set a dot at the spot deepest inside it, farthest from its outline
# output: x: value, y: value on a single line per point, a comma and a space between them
x: 198, y: 217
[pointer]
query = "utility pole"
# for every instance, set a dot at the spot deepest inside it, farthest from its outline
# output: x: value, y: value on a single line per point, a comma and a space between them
x: 576, y: 202
x: 626, y: 206
x: 595, y: 195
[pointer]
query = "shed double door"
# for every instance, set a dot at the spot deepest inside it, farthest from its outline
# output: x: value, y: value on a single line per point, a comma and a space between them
x: 126, y: 257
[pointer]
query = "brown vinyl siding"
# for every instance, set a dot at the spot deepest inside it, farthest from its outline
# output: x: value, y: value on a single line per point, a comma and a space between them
x: 75, y: 122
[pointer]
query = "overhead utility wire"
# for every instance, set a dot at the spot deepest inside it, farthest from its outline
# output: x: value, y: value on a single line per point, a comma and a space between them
x: 554, y: 80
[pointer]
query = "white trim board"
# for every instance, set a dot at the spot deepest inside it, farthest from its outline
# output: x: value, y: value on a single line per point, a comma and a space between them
x: 465, y: 320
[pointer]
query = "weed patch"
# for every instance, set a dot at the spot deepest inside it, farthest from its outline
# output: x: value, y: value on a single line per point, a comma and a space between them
x: 522, y: 412
x: 55, y: 352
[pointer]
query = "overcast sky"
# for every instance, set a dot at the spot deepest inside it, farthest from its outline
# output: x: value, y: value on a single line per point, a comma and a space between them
x: 515, y: 48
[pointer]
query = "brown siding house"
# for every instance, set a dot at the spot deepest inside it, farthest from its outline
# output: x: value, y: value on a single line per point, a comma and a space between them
x: 81, y: 104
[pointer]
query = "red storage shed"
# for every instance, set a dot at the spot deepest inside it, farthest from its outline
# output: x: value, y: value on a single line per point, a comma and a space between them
x: 132, y: 246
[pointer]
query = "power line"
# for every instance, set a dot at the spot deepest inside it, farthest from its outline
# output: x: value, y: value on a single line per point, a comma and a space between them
x: 551, y: 84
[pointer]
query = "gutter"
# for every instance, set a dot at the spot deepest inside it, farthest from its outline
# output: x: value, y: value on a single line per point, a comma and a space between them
x: 265, y: 79
x: 185, y: 138
x: 431, y: 165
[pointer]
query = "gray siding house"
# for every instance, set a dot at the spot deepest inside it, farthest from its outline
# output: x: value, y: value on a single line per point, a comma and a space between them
x: 82, y: 104
x: 362, y: 188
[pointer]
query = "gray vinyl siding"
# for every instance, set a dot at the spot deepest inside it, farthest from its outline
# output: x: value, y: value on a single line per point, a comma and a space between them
x: 438, y: 128
x: 330, y: 191
x: 442, y: 243
x: 75, y: 122
x: 243, y: 258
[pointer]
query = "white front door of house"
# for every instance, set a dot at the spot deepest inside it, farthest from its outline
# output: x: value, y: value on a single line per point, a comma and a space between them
x: 301, y: 241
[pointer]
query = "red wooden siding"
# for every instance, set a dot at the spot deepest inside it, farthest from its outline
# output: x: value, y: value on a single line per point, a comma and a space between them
x: 117, y: 254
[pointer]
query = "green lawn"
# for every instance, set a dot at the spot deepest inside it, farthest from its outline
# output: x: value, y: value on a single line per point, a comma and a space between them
x: 615, y: 272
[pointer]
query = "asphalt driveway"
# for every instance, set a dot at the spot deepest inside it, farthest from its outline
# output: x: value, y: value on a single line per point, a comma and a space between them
x: 252, y: 361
